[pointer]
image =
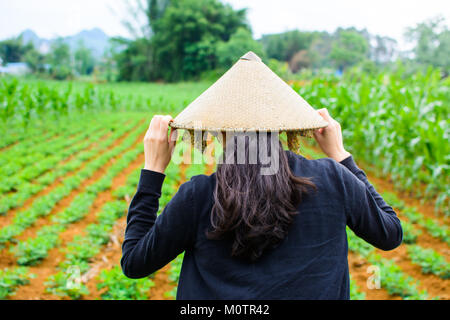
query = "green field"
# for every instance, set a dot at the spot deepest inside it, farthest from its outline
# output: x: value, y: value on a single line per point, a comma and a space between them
x: 71, y: 152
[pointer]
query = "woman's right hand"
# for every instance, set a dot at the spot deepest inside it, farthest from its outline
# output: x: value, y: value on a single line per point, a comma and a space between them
x: 330, y: 138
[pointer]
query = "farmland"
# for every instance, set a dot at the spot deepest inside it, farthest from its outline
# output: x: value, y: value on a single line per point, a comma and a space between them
x: 71, y: 153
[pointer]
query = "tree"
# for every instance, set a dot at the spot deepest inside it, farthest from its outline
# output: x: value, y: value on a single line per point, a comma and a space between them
x: 142, y: 16
x: 283, y: 46
x: 84, y: 60
x: 35, y: 60
x: 299, y: 61
x: 107, y: 66
x: 383, y: 49
x: 13, y: 50
x: 240, y: 43
x: 178, y: 39
x: 135, y: 62
x: 186, y: 34
x: 442, y: 52
x: 432, y: 43
x: 320, y: 49
x: 60, y: 60
x: 348, y: 49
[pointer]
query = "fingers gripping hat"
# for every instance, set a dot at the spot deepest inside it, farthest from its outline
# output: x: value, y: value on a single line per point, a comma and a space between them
x: 251, y: 97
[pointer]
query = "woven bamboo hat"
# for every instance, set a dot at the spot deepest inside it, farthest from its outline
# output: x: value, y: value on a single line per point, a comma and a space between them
x: 251, y: 97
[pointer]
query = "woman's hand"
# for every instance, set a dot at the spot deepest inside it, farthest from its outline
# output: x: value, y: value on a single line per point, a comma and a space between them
x: 330, y: 138
x: 158, y: 145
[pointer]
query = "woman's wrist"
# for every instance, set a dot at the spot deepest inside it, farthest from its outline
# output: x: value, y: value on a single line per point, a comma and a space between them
x: 341, y: 156
x: 155, y: 168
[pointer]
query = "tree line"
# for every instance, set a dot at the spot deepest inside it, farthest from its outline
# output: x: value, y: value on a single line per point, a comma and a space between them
x: 59, y: 63
x: 192, y: 39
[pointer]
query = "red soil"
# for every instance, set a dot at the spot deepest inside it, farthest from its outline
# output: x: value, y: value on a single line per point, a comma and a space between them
x: 36, y: 287
x: 110, y: 255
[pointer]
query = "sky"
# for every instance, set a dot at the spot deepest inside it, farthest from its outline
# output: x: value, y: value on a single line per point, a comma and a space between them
x: 51, y: 18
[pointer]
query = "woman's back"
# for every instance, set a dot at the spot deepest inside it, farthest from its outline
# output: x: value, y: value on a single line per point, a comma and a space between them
x: 311, y: 261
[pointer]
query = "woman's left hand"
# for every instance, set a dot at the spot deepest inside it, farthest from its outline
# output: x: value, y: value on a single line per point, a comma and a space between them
x: 158, y: 145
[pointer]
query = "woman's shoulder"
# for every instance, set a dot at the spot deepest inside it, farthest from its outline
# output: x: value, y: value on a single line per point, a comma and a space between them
x: 199, y: 184
x: 326, y: 169
x: 300, y: 162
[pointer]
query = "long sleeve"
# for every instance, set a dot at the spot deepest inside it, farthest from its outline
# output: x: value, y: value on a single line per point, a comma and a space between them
x: 152, y: 241
x: 368, y: 215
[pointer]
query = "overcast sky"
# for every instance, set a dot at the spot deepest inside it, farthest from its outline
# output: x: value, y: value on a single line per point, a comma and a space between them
x: 50, y: 18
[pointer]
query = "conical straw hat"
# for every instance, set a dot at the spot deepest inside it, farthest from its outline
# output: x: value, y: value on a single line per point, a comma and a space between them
x: 250, y: 97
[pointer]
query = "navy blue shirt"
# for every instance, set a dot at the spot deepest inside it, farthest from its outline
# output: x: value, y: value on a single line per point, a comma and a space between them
x: 310, y: 263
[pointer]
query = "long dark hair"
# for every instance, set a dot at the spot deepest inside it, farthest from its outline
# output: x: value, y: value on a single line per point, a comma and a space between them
x: 254, y: 210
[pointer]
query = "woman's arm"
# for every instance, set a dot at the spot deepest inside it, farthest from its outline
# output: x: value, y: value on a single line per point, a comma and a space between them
x: 368, y: 215
x: 150, y: 241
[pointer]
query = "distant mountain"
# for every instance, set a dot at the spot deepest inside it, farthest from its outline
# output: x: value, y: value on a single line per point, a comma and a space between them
x: 94, y: 39
x: 30, y: 36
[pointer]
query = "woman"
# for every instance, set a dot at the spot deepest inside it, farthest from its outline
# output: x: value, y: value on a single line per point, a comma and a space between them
x: 248, y: 236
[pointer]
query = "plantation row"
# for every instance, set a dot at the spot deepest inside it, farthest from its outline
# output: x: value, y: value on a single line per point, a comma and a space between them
x: 34, y: 249
x: 25, y: 187
x: 27, y: 103
x: 112, y: 282
x: 80, y: 251
x: 44, y: 205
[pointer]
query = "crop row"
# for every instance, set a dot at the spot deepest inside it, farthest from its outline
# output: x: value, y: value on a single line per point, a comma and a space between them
x: 25, y: 155
x: 10, y: 279
x: 28, y: 189
x: 39, y: 142
x: 44, y: 205
x: 36, y: 168
x: 24, y: 102
x: 391, y: 276
x: 430, y: 261
x: 81, y: 250
x: 432, y: 226
x: 14, y: 136
x: 79, y: 253
x: 32, y: 250
x: 29, y: 102
x: 113, y: 284
x: 355, y: 292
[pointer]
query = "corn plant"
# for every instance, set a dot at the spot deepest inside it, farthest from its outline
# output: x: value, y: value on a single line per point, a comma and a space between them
x: 399, y: 124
